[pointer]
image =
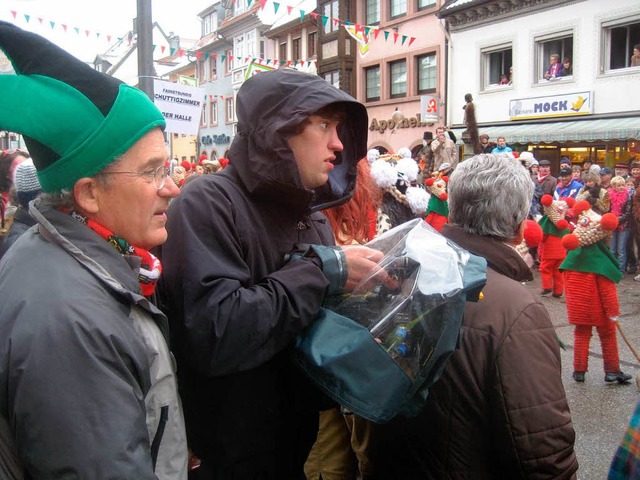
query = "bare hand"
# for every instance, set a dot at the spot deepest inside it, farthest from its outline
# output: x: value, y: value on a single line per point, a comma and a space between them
x: 362, y: 264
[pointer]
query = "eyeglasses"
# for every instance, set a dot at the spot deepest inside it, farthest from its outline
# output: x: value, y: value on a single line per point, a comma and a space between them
x: 158, y: 176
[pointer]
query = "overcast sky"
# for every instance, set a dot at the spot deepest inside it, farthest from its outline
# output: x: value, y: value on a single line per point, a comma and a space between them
x: 108, y: 17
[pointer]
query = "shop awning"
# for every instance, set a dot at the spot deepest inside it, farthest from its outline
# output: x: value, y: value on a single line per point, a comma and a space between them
x: 574, y: 131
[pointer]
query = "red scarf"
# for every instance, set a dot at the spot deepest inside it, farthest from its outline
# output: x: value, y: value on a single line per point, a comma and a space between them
x: 150, y: 267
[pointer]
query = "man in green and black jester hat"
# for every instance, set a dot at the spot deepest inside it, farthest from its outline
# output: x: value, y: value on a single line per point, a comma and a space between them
x: 87, y: 383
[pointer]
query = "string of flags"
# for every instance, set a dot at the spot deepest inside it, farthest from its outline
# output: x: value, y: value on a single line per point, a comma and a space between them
x: 362, y: 33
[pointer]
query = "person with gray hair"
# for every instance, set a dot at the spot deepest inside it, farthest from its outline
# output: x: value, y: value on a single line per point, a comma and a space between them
x: 500, y: 409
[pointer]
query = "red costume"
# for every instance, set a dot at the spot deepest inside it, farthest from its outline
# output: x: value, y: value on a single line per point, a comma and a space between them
x: 550, y: 251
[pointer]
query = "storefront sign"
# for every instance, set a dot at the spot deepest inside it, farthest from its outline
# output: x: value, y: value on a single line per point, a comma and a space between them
x: 567, y: 105
x: 429, y: 108
x: 391, y: 124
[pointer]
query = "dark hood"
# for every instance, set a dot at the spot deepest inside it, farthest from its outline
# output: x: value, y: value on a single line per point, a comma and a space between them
x: 269, y: 106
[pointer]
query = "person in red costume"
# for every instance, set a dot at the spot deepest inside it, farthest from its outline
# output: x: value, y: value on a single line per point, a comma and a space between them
x: 591, y: 273
x: 437, y: 210
x: 550, y: 251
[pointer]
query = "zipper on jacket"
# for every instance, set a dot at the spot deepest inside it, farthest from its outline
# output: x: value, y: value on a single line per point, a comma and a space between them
x: 303, y: 225
x: 155, y: 445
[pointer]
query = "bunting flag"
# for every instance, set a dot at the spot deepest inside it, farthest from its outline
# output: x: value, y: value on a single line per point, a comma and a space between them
x: 361, y: 37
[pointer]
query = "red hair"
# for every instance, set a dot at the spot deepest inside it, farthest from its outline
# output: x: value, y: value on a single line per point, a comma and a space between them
x: 352, y: 221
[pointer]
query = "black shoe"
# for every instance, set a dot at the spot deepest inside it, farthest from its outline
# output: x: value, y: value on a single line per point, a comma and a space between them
x: 545, y: 292
x: 557, y: 295
x: 619, y: 377
x: 578, y: 376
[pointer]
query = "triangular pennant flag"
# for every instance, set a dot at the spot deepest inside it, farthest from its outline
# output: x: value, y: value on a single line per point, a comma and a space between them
x: 27, y: 17
x: 172, y: 51
x: 404, y: 39
x: 230, y: 57
x: 53, y: 24
x: 87, y: 32
x: 324, y: 20
x: 302, y: 15
x: 246, y: 59
x: 314, y: 15
x: 386, y: 35
x: 376, y: 32
x: 359, y: 28
x: 181, y: 52
x: 77, y: 30
x: 162, y: 48
x: 276, y: 6
x: 153, y: 48
x: 198, y: 55
x: 221, y: 97
x: 262, y: 4
x: 97, y: 34
x: 211, y: 98
x: 206, y: 55
x: 366, y: 31
x: 413, y: 39
x: 14, y: 13
x: 223, y: 58
x: 215, y: 56
x: 108, y: 38
x: 336, y: 21
x: 249, y: 2
x: 289, y: 9
x: 40, y: 20
x: 395, y: 37
x: 64, y: 27
x: 282, y: 62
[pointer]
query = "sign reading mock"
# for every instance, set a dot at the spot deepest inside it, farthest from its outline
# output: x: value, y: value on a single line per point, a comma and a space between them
x: 565, y: 105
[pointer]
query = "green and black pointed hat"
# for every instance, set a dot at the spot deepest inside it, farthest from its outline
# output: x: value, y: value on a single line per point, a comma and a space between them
x: 74, y: 119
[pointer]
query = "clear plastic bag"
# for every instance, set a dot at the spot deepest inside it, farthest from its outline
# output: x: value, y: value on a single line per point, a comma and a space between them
x: 428, y: 270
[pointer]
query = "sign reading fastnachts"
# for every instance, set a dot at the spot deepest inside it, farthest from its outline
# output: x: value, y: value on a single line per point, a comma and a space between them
x: 566, y: 105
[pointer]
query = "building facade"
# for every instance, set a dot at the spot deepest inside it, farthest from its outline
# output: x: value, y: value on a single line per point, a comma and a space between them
x: 401, y: 77
x: 589, y: 110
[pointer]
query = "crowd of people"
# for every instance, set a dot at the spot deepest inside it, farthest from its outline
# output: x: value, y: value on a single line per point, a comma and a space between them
x: 150, y: 309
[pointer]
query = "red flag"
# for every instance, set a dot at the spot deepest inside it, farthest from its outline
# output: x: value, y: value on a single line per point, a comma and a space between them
x: 14, y: 13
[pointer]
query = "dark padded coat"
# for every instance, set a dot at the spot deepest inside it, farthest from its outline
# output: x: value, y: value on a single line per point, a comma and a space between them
x: 235, y: 304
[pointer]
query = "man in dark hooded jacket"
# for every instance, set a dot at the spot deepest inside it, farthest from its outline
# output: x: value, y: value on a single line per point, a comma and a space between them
x: 235, y: 295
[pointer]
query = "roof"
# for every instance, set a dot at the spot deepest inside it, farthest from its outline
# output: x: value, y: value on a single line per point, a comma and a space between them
x: 604, y: 129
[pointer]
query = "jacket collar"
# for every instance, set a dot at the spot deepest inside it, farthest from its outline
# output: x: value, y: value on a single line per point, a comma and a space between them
x: 501, y: 257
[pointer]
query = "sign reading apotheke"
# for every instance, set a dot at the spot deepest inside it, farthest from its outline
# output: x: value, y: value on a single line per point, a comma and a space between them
x: 566, y: 105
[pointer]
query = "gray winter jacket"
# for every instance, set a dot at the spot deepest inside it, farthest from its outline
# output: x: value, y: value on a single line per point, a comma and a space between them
x: 86, y: 378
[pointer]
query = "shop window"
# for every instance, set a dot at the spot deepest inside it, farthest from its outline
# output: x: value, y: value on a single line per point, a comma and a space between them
x: 372, y: 12
x: 496, y: 62
x: 296, y: 53
x: 283, y: 51
x: 427, y: 73
x: 398, y: 8
x: 330, y: 10
x: 618, y: 42
x: 203, y: 117
x: 213, y: 69
x: 239, y: 50
x: 422, y: 4
x: 333, y: 78
x: 228, y: 62
x: 230, y: 114
x: 312, y: 38
x: 554, y: 57
x: 398, y: 77
x: 372, y: 88
x: 213, y: 112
